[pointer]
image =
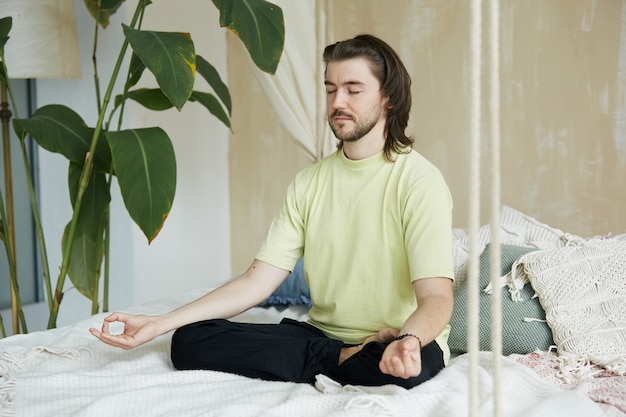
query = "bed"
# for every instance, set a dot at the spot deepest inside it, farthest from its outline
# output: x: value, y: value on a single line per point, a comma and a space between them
x: 67, y: 372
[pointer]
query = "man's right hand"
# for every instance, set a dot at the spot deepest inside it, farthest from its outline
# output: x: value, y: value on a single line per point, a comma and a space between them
x: 138, y: 329
x: 232, y: 298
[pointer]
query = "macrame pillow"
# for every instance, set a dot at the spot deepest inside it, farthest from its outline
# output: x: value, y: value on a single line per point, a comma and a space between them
x: 523, y: 326
x: 583, y: 292
x: 516, y: 228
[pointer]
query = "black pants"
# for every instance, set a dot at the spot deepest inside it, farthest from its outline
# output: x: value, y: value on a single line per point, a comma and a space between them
x: 290, y: 351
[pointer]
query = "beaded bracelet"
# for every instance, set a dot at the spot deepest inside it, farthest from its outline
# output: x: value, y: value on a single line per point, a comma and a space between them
x: 402, y: 336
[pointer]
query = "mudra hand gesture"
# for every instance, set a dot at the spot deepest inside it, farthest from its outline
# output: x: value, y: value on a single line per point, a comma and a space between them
x: 138, y: 329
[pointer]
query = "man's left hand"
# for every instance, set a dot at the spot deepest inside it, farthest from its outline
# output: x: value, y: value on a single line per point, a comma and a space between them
x: 402, y: 358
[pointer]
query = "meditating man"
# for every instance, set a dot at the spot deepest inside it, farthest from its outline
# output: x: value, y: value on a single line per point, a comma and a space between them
x: 373, y: 222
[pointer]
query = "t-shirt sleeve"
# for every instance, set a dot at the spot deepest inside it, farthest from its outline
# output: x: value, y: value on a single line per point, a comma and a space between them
x: 284, y: 243
x: 428, y: 228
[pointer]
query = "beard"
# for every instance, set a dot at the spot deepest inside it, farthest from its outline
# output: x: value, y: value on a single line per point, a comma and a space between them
x: 361, y: 126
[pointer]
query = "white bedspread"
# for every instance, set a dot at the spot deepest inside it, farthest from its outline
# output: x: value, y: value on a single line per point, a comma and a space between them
x: 67, y: 372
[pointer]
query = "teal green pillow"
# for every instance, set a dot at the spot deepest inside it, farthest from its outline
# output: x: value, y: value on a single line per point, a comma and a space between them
x: 518, y: 335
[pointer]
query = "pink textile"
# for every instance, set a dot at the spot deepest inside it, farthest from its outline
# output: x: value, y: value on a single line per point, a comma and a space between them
x: 606, y: 389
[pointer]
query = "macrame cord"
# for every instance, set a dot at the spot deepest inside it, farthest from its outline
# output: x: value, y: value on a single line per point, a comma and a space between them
x: 474, y: 203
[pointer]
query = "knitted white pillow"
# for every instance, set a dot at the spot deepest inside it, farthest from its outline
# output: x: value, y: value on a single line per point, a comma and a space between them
x: 583, y: 292
x: 516, y: 228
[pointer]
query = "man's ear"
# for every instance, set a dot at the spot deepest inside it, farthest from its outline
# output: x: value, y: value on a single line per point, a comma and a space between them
x: 386, y: 104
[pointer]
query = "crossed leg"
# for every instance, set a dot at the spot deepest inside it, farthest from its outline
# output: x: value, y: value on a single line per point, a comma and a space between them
x: 290, y: 351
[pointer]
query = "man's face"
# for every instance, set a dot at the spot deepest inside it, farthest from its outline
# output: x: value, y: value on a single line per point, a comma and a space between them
x: 353, y: 99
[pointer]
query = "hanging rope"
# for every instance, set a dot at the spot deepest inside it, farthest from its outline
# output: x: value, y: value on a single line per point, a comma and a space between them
x: 495, y: 264
x: 495, y: 261
x: 474, y: 204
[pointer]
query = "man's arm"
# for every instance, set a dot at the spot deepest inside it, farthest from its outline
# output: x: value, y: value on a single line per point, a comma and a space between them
x: 434, y: 297
x: 232, y: 298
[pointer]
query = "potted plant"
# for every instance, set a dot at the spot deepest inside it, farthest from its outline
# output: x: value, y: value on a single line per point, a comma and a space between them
x: 142, y: 159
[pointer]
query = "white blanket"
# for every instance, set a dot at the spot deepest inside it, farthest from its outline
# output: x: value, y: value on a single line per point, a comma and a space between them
x: 66, y: 372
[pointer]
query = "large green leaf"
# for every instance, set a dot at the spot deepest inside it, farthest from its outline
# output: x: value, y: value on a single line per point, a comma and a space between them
x: 59, y: 129
x: 150, y: 98
x: 154, y: 99
x: 260, y: 26
x: 85, y: 261
x: 145, y: 166
x: 135, y: 70
x: 171, y: 57
x: 104, y: 10
x: 210, y: 102
x: 5, y: 27
x: 210, y: 74
x: 95, y: 201
x: 3, y: 75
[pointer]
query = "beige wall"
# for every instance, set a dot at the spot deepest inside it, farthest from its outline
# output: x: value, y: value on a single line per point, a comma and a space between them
x: 563, y: 118
x: 262, y: 160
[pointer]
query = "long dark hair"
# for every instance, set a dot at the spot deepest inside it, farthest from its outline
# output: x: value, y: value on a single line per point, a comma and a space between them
x: 395, y: 84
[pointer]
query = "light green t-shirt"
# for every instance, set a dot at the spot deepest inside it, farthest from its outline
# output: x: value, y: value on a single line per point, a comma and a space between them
x: 367, y: 229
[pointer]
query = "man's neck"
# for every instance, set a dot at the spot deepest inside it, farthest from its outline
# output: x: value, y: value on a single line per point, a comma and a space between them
x: 370, y: 144
x: 356, y: 151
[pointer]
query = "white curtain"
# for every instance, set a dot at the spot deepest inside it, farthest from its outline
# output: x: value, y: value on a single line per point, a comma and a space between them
x: 296, y: 91
x: 43, y: 40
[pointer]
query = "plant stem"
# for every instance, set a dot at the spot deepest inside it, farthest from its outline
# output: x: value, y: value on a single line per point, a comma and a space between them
x: 34, y: 205
x: 2, y: 331
x: 9, y: 224
x: 107, y: 242
x: 95, y: 306
x: 38, y: 228
x: 94, y: 296
x: 16, y: 301
x: 84, y: 178
x: 94, y: 60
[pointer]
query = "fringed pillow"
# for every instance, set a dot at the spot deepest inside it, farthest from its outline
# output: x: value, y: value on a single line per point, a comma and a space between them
x: 516, y: 228
x: 583, y: 292
x: 523, y: 323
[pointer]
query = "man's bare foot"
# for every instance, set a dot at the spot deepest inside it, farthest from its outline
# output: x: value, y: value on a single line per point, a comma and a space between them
x: 384, y: 335
x: 387, y: 334
x: 347, y: 352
